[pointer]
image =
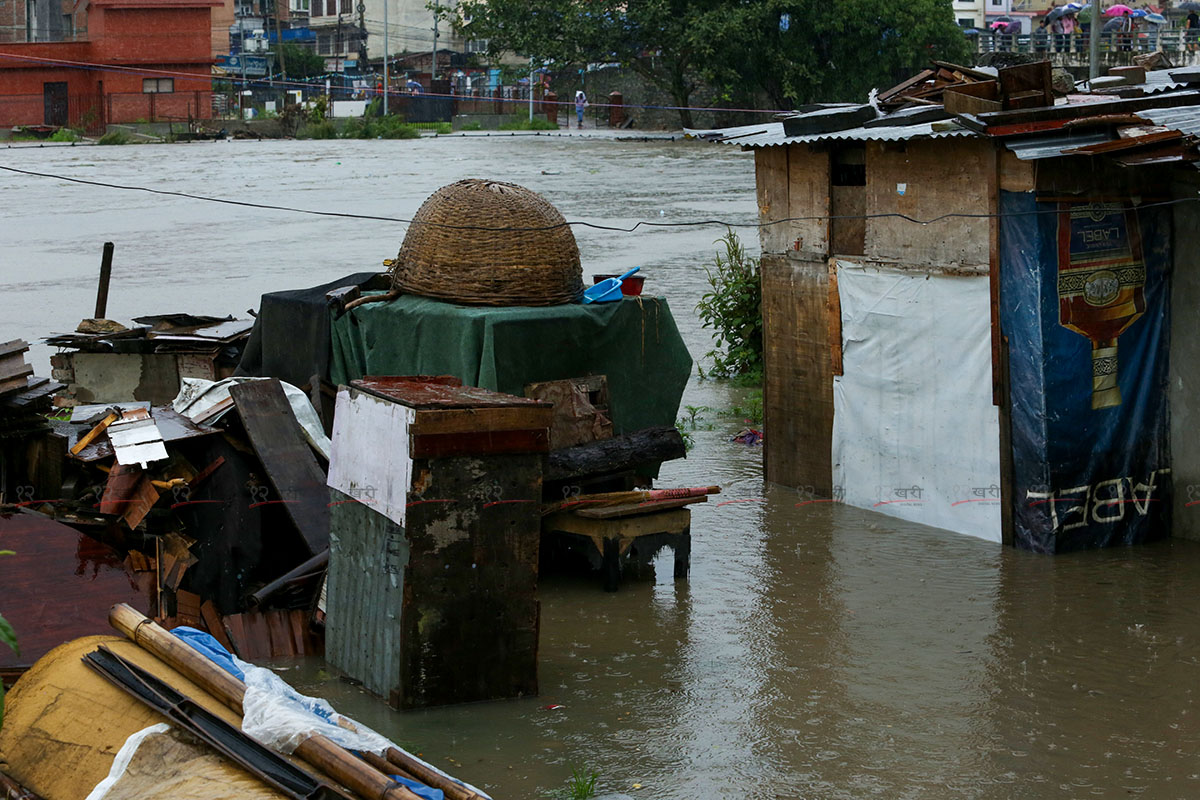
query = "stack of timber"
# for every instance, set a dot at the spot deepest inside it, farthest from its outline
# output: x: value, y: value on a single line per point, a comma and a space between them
x: 24, y: 399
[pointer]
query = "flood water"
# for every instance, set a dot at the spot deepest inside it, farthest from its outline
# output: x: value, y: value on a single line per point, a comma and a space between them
x: 817, y: 651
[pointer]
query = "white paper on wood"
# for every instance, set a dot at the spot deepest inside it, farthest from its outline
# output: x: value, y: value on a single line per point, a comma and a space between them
x: 915, y: 434
x: 370, y: 460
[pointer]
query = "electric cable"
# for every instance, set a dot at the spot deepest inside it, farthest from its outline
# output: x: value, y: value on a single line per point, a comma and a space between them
x: 574, y: 223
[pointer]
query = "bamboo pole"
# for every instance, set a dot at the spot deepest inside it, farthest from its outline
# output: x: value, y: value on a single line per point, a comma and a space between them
x: 318, y: 751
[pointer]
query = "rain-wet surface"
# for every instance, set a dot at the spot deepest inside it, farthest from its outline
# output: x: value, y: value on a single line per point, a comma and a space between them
x: 817, y: 651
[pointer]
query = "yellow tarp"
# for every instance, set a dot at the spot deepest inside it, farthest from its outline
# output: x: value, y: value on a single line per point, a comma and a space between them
x: 64, y: 723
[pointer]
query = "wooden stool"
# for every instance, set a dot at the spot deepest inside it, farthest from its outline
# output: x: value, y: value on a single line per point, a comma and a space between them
x: 615, y: 530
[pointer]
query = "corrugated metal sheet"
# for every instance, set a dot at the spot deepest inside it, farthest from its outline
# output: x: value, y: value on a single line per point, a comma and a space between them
x: 771, y: 134
x: 364, y: 595
x: 1053, y: 145
x: 1160, y: 80
x: 1184, y: 118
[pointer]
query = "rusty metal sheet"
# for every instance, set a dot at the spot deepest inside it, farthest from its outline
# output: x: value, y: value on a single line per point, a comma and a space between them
x: 429, y: 395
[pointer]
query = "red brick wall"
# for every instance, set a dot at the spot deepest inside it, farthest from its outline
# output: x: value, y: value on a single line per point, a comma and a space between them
x: 171, y: 38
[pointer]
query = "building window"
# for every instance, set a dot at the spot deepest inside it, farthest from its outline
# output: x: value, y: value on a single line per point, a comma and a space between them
x: 300, y: 5
x: 158, y: 85
x: 477, y: 46
x: 330, y: 8
x: 346, y: 7
x: 324, y: 46
x: 318, y: 8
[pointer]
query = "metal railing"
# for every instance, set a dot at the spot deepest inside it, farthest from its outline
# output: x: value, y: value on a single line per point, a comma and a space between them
x: 1171, y: 40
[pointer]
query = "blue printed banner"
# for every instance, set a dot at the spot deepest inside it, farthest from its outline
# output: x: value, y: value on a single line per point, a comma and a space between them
x: 1084, y: 305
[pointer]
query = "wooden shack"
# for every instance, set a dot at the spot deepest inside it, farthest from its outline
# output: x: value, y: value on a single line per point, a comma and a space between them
x: 921, y: 357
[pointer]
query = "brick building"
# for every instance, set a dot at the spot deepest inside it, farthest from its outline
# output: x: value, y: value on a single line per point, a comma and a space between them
x: 110, y: 61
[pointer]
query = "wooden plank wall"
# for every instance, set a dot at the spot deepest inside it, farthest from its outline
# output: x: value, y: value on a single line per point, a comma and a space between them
x: 792, y: 182
x: 937, y: 176
x: 798, y: 390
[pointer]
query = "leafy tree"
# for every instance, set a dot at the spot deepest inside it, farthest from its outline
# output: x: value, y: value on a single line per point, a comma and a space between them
x: 808, y: 51
x: 827, y: 50
x: 301, y: 62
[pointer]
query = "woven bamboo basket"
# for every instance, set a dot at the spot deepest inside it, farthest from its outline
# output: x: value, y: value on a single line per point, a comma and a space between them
x: 482, y: 242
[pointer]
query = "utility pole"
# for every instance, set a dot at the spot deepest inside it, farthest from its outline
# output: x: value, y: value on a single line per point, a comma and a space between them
x: 386, y: 3
x: 433, y: 64
x: 362, y: 37
x: 531, y: 88
x: 279, y: 42
x: 339, y: 40
x: 1094, y: 43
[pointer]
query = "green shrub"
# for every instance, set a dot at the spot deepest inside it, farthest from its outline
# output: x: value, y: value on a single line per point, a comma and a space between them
x: 325, y: 129
x: 402, y: 132
x: 526, y: 124
x: 114, y: 137
x: 732, y: 309
x: 473, y: 125
x: 64, y: 135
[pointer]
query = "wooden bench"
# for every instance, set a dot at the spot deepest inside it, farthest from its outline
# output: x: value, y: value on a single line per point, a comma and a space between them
x: 620, y: 537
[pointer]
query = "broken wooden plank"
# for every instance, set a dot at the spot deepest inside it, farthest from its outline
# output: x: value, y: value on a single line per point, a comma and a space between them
x: 1121, y: 145
x: 214, y: 624
x: 91, y: 435
x: 828, y: 120
x: 635, y: 509
x: 289, y: 462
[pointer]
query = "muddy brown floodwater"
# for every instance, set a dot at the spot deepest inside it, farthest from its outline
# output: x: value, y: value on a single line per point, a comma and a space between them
x: 817, y: 651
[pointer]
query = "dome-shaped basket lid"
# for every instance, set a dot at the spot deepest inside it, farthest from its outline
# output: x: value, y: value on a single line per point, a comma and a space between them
x: 489, y: 243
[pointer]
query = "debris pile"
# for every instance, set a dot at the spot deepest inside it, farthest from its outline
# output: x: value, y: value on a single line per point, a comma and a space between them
x: 147, y: 360
x: 207, y: 501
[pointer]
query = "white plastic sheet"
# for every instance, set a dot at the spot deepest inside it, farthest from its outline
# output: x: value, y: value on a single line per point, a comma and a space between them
x: 915, y: 434
x: 123, y: 757
x: 282, y: 718
x: 197, y: 395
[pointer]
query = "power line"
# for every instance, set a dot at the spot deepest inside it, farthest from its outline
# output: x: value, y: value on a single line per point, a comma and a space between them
x: 579, y: 223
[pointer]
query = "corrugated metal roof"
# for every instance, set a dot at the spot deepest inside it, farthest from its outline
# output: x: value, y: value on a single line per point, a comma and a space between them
x: 1053, y: 145
x: 1184, y: 118
x: 771, y: 134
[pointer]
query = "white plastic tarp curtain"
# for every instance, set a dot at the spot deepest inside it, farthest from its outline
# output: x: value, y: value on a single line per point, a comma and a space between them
x: 915, y: 434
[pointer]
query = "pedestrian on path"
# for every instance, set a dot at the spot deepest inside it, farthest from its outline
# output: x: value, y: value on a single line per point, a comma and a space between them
x: 580, y: 104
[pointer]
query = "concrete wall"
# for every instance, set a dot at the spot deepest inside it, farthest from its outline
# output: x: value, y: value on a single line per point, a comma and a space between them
x: 1184, y: 391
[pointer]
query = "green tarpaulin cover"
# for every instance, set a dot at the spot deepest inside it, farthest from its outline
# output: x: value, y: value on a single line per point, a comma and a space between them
x: 634, y: 342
